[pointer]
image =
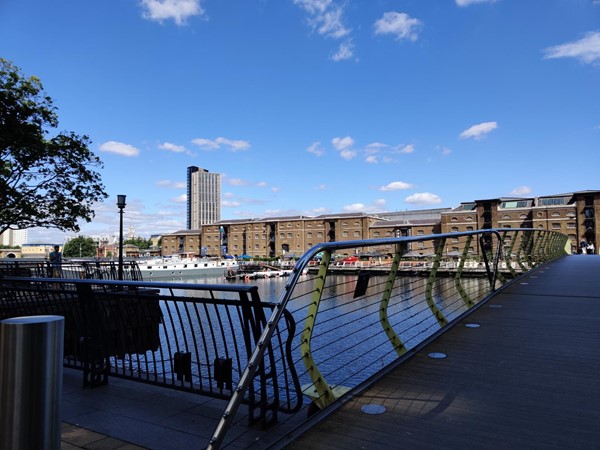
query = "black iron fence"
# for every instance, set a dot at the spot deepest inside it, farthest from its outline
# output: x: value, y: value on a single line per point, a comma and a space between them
x: 196, y: 338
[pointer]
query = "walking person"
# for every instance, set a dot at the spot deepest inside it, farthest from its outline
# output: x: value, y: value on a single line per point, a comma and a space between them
x: 56, y: 262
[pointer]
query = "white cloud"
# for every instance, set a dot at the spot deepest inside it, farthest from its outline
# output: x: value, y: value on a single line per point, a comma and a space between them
x: 395, y: 186
x: 119, y: 148
x: 237, y: 182
x: 521, y: 190
x: 586, y: 49
x: 171, y: 147
x: 181, y: 199
x: 232, y: 145
x: 446, y: 151
x: 377, y: 206
x: 472, y: 2
x: 478, y: 131
x: 410, y: 148
x: 325, y: 18
x: 178, y: 10
x: 342, y: 143
x: 230, y: 204
x: 401, y: 25
x: 423, y: 198
x: 371, y: 159
x: 316, y: 149
x: 345, y: 51
x: 348, y: 154
x: 261, y: 184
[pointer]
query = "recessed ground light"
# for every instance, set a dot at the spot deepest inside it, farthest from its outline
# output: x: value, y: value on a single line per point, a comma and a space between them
x: 495, y: 306
x: 373, y: 409
x: 472, y: 325
x: 436, y: 355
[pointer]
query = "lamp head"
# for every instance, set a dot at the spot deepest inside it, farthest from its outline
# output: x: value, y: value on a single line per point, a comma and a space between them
x: 121, y: 201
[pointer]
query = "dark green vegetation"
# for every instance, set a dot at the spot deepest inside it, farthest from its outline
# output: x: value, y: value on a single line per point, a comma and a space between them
x: 46, y: 180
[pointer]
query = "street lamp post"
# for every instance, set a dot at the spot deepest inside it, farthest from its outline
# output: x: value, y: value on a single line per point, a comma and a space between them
x: 121, y: 206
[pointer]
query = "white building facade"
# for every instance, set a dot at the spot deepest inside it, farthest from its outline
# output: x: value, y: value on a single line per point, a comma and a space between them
x: 203, y: 197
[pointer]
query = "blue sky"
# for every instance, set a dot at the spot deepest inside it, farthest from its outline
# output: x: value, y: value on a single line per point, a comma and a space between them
x: 318, y: 106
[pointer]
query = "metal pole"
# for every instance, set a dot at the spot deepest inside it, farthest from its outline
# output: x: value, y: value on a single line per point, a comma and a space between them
x: 121, y: 244
x: 31, y: 379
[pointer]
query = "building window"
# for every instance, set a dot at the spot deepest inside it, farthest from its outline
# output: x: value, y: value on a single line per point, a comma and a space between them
x: 320, y: 234
x: 357, y: 234
x: 555, y: 214
x: 345, y: 234
x: 309, y: 235
x: 469, y: 228
x: 555, y: 226
x: 289, y: 235
x: 570, y: 224
x: 420, y: 233
x: 375, y: 234
x: 454, y: 219
x: 455, y: 229
x: 469, y: 219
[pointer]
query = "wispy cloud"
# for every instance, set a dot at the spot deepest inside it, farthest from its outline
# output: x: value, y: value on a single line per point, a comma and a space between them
x: 586, y: 49
x: 230, y: 144
x: 395, y: 186
x: 119, y: 148
x: 521, y: 190
x: 325, y: 17
x: 463, y: 3
x: 400, y: 25
x: 171, y: 147
x: 479, y: 131
x: 423, y: 198
x: 177, y: 10
x: 344, y: 51
x: 378, y: 205
x: 316, y: 149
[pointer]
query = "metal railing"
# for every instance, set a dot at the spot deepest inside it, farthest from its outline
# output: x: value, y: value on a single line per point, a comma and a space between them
x: 195, y: 338
x: 367, y: 318
x: 96, y: 270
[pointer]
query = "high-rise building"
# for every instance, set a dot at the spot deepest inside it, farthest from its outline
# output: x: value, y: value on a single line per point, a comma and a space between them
x: 13, y: 237
x: 203, y: 197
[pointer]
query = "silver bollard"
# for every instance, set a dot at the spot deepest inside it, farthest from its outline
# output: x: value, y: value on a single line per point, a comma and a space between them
x: 31, y: 379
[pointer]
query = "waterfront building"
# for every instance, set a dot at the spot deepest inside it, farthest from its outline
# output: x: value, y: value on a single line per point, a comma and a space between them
x: 203, y: 197
x: 573, y: 214
x: 183, y: 241
x: 38, y: 250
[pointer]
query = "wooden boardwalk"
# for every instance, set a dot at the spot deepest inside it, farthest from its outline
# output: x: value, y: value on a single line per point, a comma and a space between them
x: 528, y: 377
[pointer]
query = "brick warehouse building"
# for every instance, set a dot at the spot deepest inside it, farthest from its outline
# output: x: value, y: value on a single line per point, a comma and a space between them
x: 573, y: 214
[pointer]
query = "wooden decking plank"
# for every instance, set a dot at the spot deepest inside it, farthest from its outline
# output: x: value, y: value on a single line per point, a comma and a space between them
x: 526, y: 378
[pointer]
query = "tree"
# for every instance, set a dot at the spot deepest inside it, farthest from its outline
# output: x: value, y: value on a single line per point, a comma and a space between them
x: 45, y: 181
x: 139, y: 242
x: 80, y: 246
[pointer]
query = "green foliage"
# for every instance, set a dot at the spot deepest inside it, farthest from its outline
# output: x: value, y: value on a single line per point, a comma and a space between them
x: 80, y: 246
x: 139, y: 242
x: 45, y: 181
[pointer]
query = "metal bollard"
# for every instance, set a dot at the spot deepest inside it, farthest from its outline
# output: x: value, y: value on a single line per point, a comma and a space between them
x: 31, y: 379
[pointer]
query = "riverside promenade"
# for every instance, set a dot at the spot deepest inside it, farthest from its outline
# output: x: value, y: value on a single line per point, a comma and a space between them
x: 521, y: 371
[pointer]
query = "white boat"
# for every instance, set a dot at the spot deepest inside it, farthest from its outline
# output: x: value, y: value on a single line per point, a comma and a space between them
x: 185, y: 266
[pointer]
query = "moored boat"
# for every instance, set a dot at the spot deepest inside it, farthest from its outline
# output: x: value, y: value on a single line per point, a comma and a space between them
x: 185, y: 265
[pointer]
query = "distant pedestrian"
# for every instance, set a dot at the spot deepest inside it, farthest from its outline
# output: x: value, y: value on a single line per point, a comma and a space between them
x: 56, y: 262
x: 583, y: 247
x: 590, y: 250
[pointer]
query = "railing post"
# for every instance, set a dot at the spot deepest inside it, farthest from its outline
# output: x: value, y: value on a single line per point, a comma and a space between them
x: 31, y: 379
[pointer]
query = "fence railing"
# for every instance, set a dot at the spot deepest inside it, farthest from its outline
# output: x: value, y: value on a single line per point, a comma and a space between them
x: 96, y: 270
x: 356, y: 321
x: 336, y: 326
x: 195, y: 338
